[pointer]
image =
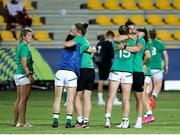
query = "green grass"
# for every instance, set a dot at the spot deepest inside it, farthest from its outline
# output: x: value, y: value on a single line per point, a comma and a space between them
x: 39, y: 113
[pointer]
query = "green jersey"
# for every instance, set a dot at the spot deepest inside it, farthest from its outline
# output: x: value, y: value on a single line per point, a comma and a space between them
x: 148, y: 46
x: 23, y: 51
x: 123, y: 61
x: 84, y: 43
x: 158, y: 48
x: 138, y: 58
x: 86, y: 60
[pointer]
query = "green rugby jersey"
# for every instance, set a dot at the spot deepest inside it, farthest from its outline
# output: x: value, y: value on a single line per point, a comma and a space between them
x: 86, y: 60
x: 23, y: 51
x: 158, y: 48
x: 148, y: 46
x: 123, y: 61
x: 138, y: 58
x: 84, y: 43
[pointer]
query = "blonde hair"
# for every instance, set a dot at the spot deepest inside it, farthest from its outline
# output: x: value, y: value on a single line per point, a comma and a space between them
x: 23, y: 33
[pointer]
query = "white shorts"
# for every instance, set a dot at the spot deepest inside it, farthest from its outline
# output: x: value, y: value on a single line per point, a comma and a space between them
x: 122, y: 77
x: 65, y: 78
x: 21, y: 80
x: 147, y: 79
x: 157, y: 74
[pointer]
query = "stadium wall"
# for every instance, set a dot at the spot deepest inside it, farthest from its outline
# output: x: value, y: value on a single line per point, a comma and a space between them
x: 52, y: 56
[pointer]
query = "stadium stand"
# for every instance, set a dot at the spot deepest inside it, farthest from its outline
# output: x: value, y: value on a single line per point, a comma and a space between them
x: 42, y: 71
x: 95, y: 5
x: 164, y: 35
x: 112, y: 4
x: 2, y: 22
x: 138, y: 19
x: 7, y: 36
x: 119, y: 19
x: 146, y: 4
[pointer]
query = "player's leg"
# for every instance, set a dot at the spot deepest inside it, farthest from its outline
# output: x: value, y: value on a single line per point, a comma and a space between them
x: 16, y: 107
x: 138, y: 82
x: 56, y: 105
x: 113, y: 86
x: 126, y: 91
x: 87, y: 107
x: 100, y: 92
x: 78, y: 108
x: 71, y: 91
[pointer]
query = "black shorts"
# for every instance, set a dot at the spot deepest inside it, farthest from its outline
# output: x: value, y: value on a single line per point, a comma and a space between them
x: 86, y: 79
x: 104, y: 70
x: 138, y: 81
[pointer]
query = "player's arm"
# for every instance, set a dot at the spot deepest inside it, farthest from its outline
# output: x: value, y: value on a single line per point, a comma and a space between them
x: 91, y: 50
x: 134, y: 49
x: 69, y: 43
x: 120, y: 38
x: 25, y: 66
x: 166, y: 60
x: 147, y: 56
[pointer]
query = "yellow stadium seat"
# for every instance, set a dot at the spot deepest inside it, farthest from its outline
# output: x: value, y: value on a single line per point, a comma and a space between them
x: 2, y: 22
x: 164, y: 35
x: 172, y: 19
x: 129, y: 4
x: 103, y: 20
x: 27, y: 5
x: 36, y: 21
x: 155, y: 19
x: 146, y: 4
x: 138, y: 19
x: 17, y: 34
x: 7, y: 36
x: 5, y: 2
x: 42, y: 36
x: 119, y: 19
x: 177, y: 35
x: 163, y: 4
x: 112, y: 4
x: 95, y: 5
x: 176, y: 4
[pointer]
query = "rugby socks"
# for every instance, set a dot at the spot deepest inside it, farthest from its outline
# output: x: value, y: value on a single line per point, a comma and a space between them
x: 86, y: 120
x: 56, y: 117
x: 100, y: 97
x: 69, y: 119
x: 155, y: 95
x: 79, y: 119
x: 107, y: 117
x: 139, y: 120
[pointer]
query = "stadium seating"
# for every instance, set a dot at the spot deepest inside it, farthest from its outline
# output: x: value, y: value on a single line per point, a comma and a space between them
x: 164, y: 35
x: 146, y: 4
x: 172, y: 19
x: 5, y: 2
x: 138, y: 19
x: 129, y: 4
x: 119, y: 19
x: 176, y: 4
x: 163, y: 4
x: 7, y: 36
x: 112, y: 4
x: 42, y: 36
x: 27, y: 5
x: 36, y: 21
x: 95, y: 5
x: 177, y: 35
x: 155, y: 19
x: 2, y: 22
x: 103, y: 20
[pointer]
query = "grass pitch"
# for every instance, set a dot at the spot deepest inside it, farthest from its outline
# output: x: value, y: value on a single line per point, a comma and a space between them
x: 39, y: 114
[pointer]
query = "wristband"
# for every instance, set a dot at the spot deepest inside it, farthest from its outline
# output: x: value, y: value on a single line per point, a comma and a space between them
x: 125, y: 47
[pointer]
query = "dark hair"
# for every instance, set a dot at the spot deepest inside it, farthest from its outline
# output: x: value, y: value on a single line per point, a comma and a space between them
x: 24, y: 32
x: 110, y: 33
x: 123, y: 30
x: 129, y: 22
x: 146, y: 34
x: 69, y: 37
x: 152, y: 33
x: 82, y: 27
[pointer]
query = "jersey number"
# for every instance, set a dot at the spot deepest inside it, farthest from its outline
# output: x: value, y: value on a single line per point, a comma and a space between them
x: 154, y: 51
x: 124, y: 54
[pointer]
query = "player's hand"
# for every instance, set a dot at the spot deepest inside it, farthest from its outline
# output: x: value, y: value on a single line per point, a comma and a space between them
x: 166, y: 68
x: 133, y: 37
x: 144, y: 68
x: 119, y: 47
x: 31, y: 78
